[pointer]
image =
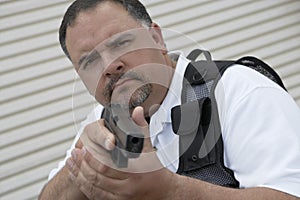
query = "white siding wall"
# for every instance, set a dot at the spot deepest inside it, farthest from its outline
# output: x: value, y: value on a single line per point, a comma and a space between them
x: 42, y: 100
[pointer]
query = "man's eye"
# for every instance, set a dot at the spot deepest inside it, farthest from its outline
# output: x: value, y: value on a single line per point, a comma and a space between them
x: 123, y: 43
x: 88, y: 63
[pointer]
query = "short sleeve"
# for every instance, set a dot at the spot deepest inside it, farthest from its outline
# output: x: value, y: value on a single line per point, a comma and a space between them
x: 261, y: 132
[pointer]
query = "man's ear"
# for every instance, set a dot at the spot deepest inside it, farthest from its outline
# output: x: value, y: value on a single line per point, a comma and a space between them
x: 156, y: 34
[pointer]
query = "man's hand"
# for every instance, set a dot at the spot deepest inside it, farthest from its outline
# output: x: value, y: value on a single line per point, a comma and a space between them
x: 95, y: 174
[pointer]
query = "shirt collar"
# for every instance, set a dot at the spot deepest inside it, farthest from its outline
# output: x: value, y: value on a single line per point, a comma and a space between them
x: 173, y: 97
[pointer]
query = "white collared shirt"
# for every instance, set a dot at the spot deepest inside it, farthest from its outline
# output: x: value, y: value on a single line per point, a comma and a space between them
x: 260, y: 126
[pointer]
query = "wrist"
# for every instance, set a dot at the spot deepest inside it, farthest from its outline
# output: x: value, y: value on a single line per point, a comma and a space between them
x: 172, y: 191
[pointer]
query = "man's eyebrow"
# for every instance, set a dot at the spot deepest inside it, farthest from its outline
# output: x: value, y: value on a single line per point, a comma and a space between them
x: 110, y: 43
x: 114, y: 41
x: 81, y: 60
x: 85, y: 57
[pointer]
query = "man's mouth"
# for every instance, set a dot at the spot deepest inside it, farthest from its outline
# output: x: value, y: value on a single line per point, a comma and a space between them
x: 121, y: 81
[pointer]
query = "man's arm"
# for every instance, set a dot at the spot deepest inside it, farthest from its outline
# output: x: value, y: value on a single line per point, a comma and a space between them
x: 61, y: 187
x: 189, y: 188
x: 101, y: 182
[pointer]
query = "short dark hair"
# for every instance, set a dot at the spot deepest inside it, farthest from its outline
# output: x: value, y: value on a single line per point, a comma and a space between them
x: 134, y: 7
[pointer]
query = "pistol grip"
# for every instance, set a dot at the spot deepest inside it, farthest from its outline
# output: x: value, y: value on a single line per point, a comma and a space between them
x: 119, y: 158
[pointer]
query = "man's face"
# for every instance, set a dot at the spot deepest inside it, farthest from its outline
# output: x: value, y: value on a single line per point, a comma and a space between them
x: 117, y: 58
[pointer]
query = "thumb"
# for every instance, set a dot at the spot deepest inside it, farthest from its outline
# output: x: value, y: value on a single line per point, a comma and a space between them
x: 138, y: 117
x: 148, y: 160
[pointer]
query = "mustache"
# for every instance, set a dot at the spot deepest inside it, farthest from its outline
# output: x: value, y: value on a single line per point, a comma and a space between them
x: 111, y: 84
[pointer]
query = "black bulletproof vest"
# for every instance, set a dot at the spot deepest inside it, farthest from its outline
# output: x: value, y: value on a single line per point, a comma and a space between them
x: 196, y: 121
x: 197, y: 124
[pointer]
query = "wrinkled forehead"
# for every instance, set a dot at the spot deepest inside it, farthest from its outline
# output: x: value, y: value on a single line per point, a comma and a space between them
x: 141, y: 36
x: 95, y: 26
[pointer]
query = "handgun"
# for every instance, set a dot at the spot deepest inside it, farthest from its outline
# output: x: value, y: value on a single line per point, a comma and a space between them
x: 128, y: 135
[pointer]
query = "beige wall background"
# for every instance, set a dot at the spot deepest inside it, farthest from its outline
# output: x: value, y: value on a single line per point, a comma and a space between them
x: 42, y: 101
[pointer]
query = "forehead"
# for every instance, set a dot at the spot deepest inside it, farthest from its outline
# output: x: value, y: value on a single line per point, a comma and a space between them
x: 93, y: 26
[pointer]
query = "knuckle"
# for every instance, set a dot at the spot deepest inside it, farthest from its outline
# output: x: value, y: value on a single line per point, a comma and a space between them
x: 72, y: 166
x: 79, y: 144
x: 88, y: 190
x: 91, y: 127
x: 102, y: 168
x: 91, y: 177
x: 91, y: 191
x: 87, y: 157
x: 95, y: 128
x: 101, y: 124
x: 88, y: 128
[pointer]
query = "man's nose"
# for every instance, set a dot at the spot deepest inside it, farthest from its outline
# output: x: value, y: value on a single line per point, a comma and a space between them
x: 113, y: 67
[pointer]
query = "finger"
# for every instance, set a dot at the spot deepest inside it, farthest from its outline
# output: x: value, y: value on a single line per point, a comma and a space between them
x: 73, y: 163
x: 148, y: 160
x: 72, y: 167
x: 138, y: 117
x: 97, y: 134
x: 86, y: 184
x: 95, y: 162
x: 103, y: 157
x: 77, y: 156
x: 87, y: 179
x: 101, y: 167
x: 79, y: 144
x: 94, y: 184
x: 91, y: 192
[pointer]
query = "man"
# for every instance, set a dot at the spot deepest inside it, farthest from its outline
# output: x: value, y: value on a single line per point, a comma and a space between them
x: 120, y: 55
